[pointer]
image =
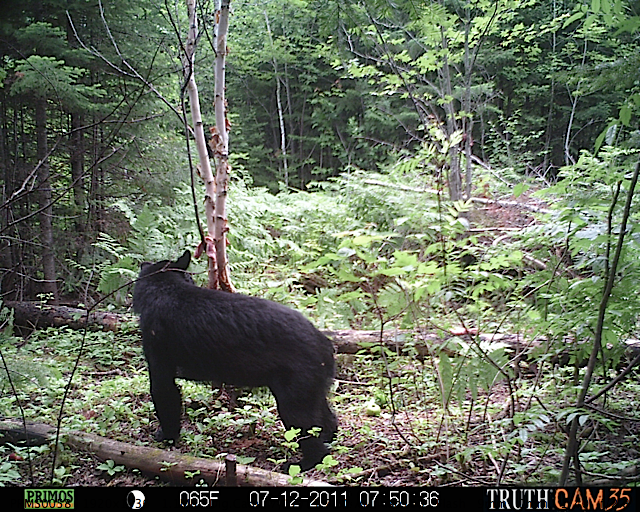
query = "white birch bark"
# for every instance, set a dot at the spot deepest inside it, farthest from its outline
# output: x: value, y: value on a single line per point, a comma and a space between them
x: 220, y: 145
x: 283, y: 140
x: 201, y: 144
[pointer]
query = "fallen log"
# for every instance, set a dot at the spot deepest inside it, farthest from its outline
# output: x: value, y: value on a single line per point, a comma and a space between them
x: 169, y: 466
x: 36, y: 315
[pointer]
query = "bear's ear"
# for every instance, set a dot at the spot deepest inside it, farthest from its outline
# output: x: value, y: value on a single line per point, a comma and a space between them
x: 183, y: 261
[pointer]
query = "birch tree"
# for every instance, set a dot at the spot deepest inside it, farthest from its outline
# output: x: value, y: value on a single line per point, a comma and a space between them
x: 215, y: 187
x: 220, y: 145
x: 283, y: 140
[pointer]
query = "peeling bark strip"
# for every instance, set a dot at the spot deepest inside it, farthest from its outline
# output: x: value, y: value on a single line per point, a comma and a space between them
x: 206, y: 173
x: 216, y: 188
x: 169, y: 466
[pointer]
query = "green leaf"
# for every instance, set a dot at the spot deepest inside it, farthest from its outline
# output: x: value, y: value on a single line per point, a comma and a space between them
x: 391, y: 272
x: 446, y: 375
x: 600, y: 140
x: 348, y: 276
x: 572, y: 18
x: 362, y: 240
x: 294, y: 470
x: 519, y: 189
x: 291, y: 434
x: 405, y: 259
x: 625, y: 115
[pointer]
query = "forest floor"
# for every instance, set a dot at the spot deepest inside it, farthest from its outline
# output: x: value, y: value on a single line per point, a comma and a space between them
x: 388, y: 449
x: 417, y: 445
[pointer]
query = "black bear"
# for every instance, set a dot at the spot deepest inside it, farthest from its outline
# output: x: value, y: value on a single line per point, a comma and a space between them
x: 210, y: 335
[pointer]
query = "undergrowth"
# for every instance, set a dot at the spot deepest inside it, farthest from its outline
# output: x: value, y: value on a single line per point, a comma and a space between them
x: 483, y: 341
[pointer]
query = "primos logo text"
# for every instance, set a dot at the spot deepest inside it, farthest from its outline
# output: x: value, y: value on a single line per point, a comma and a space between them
x: 57, y: 499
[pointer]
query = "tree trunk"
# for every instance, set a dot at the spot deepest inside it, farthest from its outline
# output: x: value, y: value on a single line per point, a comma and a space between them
x: 283, y: 139
x: 198, y: 128
x: 76, y: 160
x: 467, y: 121
x: 8, y: 277
x: 454, y: 177
x: 95, y: 195
x: 547, y: 141
x: 574, y: 98
x: 45, y: 196
x: 221, y: 149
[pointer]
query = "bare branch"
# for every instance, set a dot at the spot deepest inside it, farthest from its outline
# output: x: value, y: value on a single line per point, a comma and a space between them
x: 132, y: 73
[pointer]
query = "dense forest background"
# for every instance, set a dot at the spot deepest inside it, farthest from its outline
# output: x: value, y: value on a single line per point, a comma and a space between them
x: 453, y: 166
x: 91, y: 97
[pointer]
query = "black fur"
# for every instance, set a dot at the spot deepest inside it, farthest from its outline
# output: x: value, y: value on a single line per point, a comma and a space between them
x: 210, y: 335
